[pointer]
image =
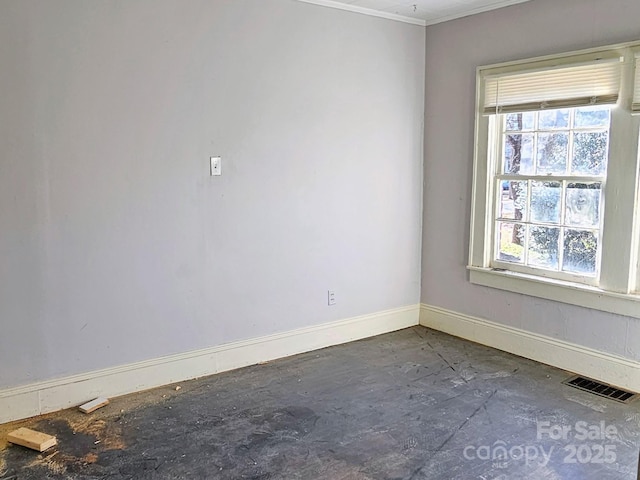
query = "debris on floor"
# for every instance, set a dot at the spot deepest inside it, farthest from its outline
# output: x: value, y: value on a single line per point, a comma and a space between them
x: 94, y: 405
x: 400, y: 405
x: 31, y: 439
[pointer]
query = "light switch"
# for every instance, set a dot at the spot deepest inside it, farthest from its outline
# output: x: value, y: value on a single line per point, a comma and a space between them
x: 216, y: 166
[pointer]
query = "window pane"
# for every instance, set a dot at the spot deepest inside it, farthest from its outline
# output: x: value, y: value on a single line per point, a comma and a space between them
x: 520, y: 121
x: 511, y: 241
x: 592, y: 117
x: 518, y: 154
x: 590, y: 153
x: 552, y: 152
x: 583, y: 204
x: 580, y: 250
x: 553, y: 119
x: 543, y: 247
x: 545, y: 202
x: 513, y: 200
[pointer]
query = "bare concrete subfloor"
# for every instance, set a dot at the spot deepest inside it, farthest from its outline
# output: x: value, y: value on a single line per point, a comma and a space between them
x: 414, y: 404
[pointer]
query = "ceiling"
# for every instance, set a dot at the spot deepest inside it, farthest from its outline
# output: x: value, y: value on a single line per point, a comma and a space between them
x: 421, y: 12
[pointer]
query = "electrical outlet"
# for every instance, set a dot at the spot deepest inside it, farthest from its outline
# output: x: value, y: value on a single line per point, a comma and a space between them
x: 216, y: 166
x: 331, y: 297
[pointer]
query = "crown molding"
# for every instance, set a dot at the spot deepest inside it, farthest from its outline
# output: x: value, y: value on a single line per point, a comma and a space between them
x: 413, y: 21
x: 474, y: 11
x: 366, y: 11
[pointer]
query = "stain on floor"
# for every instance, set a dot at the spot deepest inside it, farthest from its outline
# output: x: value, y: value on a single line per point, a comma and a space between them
x: 414, y: 404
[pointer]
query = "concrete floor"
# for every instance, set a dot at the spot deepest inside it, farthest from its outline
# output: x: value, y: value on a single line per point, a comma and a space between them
x: 414, y: 404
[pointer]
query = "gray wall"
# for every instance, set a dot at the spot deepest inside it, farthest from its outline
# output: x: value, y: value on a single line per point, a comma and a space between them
x: 454, y: 50
x: 115, y: 243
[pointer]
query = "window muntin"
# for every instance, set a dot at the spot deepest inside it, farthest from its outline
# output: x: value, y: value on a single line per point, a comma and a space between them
x: 551, y: 175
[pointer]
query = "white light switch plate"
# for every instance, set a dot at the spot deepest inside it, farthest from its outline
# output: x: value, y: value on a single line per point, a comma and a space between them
x: 216, y: 166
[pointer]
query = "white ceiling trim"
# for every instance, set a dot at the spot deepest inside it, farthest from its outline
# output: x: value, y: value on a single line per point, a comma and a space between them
x: 474, y: 11
x: 413, y: 21
x: 368, y: 11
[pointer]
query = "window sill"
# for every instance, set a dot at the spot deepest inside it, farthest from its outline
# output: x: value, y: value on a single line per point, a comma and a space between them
x: 560, y: 291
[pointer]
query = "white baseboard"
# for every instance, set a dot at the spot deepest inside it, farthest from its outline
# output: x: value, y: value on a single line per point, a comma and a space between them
x: 619, y: 371
x: 49, y: 396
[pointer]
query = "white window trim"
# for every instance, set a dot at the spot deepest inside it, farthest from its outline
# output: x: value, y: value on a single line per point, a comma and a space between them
x: 620, y: 273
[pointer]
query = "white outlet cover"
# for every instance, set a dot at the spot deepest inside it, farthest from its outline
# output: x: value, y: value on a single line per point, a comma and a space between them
x: 216, y: 166
x: 331, y: 297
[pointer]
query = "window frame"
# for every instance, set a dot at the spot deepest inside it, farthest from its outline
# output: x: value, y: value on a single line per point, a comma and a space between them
x: 617, y: 289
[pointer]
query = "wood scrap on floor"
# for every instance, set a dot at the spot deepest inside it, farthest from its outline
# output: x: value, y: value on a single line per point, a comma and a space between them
x: 94, y: 405
x: 31, y: 439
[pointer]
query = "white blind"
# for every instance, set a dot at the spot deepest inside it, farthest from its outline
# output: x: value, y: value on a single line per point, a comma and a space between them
x: 594, y: 83
x: 635, y: 106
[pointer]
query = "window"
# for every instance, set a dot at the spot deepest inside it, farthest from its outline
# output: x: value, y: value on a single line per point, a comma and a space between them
x: 555, y: 201
x: 550, y: 185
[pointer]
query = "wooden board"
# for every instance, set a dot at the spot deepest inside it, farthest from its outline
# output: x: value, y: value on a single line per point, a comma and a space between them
x: 31, y: 439
x: 93, y: 405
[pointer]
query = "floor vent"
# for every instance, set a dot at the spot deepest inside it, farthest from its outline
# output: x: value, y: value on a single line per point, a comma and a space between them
x: 602, y: 389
